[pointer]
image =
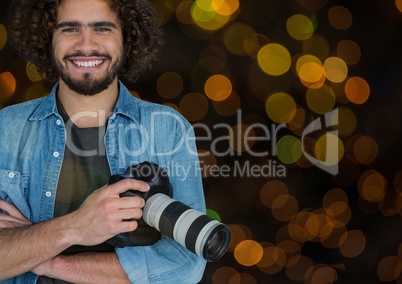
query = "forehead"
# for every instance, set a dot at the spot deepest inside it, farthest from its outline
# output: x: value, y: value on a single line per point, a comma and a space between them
x: 86, y: 11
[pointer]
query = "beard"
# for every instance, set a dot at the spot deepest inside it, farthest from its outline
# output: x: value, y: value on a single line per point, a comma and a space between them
x: 87, y: 85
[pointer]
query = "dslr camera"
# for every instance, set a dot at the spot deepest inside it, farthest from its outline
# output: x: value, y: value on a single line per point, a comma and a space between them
x: 196, y: 231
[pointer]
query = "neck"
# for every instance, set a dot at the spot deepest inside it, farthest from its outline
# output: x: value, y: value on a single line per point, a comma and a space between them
x: 88, y: 111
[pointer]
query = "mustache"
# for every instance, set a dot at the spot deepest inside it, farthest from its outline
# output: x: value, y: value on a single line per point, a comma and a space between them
x: 92, y: 54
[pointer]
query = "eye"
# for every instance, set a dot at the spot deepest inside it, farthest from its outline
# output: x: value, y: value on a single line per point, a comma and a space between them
x: 103, y: 30
x: 69, y: 30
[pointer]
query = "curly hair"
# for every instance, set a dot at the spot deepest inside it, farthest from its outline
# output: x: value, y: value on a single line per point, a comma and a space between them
x: 31, y: 25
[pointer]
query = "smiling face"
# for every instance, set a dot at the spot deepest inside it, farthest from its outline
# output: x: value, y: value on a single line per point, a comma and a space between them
x: 87, y: 45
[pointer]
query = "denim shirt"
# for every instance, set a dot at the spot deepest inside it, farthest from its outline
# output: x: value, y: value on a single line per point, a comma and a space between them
x: 32, y: 145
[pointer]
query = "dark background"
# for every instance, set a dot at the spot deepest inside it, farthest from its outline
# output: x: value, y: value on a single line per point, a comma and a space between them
x: 376, y: 28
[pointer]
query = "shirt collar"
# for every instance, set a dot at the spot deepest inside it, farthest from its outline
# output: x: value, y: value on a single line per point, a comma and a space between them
x: 126, y: 105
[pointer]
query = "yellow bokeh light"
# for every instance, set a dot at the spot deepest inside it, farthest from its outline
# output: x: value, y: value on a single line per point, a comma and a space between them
x: 169, y: 85
x: 311, y: 72
x: 321, y: 100
x: 297, y: 267
x: 285, y: 207
x: 213, y: 59
x: 8, y: 84
x: 3, y: 36
x: 271, y: 190
x: 202, y: 12
x: 336, y: 69
x: 239, y: 234
x: 206, y: 17
x: 347, y: 122
x: 316, y: 45
x: 235, y: 37
x: 252, y: 45
x: 320, y: 225
x: 194, y: 106
x: 300, y: 27
x: 183, y: 13
x: 224, y: 275
x: 334, y: 195
x: 36, y: 91
x: 273, y: 260
x: 135, y: 94
x: 274, y: 59
x: 280, y: 107
x: 398, y: 4
x: 398, y: 186
x: 291, y: 248
x: 329, y: 149
x: 33, y: 74
x: 333, y: 239
x: 389, y: 268
x: 349, y: 51
x: 324, y: 274
x: 365, y: 150
x: 225, y: 7
x: 340, y: 17
x: 289, y: 149
x: 372, y: 186
x: 307, y: 58
x: 205, y: 5
x: 172, y: 106
x: 163, y: 11
x: 218, y: 88
x: 229, y: 106
x: 352, y: 243
x: 297, y: 124
x: 248, y: 253
x: 357, y: 90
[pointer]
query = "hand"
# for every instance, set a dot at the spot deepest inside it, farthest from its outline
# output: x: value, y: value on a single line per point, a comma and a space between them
x: 101, y: 215
x: 13, y: 219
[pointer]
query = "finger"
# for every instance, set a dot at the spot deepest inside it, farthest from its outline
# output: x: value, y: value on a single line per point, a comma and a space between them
x: 126, y: 184
x: 131, y: 202
x: 128, y: 226
x: 130, y: 214
x: 10, y: 224
x: 5, y: 217
x: 11, y: 210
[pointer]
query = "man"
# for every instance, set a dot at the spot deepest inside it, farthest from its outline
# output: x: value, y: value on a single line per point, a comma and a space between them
x: 57, y: 152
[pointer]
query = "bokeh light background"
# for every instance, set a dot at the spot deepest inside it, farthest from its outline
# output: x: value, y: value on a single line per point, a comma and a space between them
x: 271, y: 62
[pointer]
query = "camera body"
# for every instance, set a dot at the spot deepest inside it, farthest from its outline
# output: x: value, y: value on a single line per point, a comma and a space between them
x: 192, y: 229
x: 159, y: 182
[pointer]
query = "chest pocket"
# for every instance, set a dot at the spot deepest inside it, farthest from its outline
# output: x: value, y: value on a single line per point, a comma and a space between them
x: 14, y: 190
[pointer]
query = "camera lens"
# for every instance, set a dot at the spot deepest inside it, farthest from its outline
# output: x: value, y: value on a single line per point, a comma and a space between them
x: 196, y: 231
x: 217, y: 243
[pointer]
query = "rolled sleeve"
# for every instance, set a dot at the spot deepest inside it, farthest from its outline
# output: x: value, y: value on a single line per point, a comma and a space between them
x: 163, y: 262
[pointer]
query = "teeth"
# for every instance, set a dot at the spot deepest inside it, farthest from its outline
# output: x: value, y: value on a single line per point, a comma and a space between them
x: 88, y: 63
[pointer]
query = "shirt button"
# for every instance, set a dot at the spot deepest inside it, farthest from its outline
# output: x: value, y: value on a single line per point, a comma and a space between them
x: 48, y: 194
x: 56, y: 154
x: 11, y: 175
x: 58, y: 122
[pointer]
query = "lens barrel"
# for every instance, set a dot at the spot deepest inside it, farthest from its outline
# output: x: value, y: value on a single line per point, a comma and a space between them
x: 196, y: 231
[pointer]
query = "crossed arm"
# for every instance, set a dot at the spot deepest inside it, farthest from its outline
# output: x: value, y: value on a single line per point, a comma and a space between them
x: 36, y: 247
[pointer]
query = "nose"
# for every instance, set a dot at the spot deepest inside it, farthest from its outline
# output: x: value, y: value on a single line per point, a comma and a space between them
x: 86, y: 42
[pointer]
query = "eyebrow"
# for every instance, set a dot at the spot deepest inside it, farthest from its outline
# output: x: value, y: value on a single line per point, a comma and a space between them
x: 91, y: 24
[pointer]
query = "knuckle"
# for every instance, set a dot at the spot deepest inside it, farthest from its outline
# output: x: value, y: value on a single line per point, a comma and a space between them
x: 138, y: 213
x: 139, y: 202
x: 132, y: 225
